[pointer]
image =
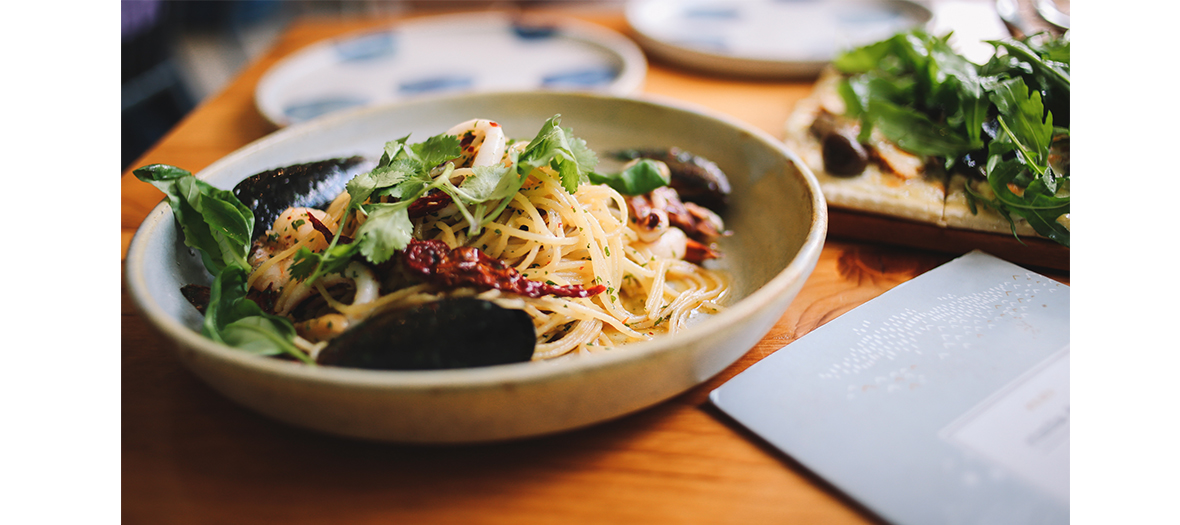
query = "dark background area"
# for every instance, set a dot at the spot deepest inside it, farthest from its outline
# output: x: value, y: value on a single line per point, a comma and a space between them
x: 176, y: 53
x: 159, y: 87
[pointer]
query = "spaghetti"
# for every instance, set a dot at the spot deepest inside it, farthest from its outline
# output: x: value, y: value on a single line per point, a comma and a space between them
x: 601, y: 276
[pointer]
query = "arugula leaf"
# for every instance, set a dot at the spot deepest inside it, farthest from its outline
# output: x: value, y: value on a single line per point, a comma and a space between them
x: 1056, y: 73
x: 913, y: 131
x: 1024, y: 117
x: 637, y: 179
x: 214, y: 221
x: 920, y: 94
x: 1039, y: 207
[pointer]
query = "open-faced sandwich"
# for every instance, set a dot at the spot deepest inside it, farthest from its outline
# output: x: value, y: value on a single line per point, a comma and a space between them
x: 909, y: 128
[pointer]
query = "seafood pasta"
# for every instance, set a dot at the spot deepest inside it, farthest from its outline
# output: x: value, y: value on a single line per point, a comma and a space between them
x: 595, y: 261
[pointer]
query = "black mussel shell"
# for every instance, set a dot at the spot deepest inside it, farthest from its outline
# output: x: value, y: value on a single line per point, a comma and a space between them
x: 311, y: 185
x: 450, y: 333
x: 695, y: 178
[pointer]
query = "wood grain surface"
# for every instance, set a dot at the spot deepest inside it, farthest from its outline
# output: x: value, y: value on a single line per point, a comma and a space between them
x: 191, y: 456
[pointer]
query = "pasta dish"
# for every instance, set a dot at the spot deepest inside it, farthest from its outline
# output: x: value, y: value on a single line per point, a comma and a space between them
x: 596, y: 261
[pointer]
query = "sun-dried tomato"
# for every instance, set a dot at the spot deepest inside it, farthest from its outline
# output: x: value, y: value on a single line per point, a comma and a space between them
x: 431, y: 202
x: 440, y: 265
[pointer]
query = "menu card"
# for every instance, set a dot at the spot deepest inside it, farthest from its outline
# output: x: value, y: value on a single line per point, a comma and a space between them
x: 944, y: 400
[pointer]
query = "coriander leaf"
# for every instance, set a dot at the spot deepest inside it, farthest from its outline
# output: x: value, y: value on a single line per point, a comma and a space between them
x: 362, y: 186
x: 213, y: 221
x: 391, y: 150
x: 637, y: 179
x: 509, y: 184
x: 386, y: 230
x: 309, y: 266
x: 487, y: 183
x: 436, y: 150
x: 404, y: 174
x: 559, y: 149
x: 404, y: 170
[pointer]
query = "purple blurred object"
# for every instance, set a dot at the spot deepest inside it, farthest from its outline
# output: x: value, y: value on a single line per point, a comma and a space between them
x: 139, y: 15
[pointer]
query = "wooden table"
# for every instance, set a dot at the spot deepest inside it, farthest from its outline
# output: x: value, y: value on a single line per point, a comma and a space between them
x: 191, y: 456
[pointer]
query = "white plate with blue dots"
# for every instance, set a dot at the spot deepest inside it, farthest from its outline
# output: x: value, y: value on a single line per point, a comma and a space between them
x: 488, y: 51
x: 765, y: 38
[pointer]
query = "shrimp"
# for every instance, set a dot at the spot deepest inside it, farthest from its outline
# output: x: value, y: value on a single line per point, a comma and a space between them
x: 293, y: 228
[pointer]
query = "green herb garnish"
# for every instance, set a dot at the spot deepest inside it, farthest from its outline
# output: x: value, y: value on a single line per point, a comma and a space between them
x: 1002, y: 116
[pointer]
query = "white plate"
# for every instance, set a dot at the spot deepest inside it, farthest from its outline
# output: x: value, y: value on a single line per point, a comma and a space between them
x: 453, y: 53
x: 769, y: 257
x: 765, y: 38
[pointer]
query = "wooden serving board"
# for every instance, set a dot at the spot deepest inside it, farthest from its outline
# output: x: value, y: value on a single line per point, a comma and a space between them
x: 1027, y: 251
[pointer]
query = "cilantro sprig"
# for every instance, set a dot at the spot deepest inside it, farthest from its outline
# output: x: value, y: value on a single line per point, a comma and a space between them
x: 408, y: 171
x: 929, y: 100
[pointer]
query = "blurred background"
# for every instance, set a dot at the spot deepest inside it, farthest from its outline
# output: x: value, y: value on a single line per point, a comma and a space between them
x: 176, y: 53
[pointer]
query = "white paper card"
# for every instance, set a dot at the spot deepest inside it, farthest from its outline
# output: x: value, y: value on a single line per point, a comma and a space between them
x: 944, y: 400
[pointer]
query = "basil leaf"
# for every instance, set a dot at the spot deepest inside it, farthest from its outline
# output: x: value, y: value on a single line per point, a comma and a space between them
x: 263, y: 335
x: 637, y: 179
x: 213, y: 221
x: 235, y: 320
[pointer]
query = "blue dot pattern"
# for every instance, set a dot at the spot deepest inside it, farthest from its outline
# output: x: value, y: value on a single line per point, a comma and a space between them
x: 308, y: 110
x: 368, y: 47
x: 580, y: 78
x: 435, y: 84
x: 524, y: 32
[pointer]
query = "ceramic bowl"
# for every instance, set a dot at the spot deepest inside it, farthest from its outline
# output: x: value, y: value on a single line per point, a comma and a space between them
x: 777, y: 215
